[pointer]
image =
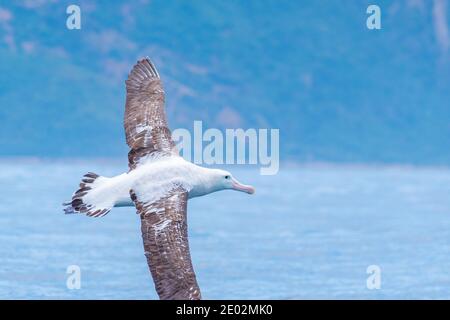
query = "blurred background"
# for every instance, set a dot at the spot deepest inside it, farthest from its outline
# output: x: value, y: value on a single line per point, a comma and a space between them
x: 364, y: 121
x: 338, y: 91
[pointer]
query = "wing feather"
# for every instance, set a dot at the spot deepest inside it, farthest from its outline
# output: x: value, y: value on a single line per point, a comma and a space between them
x: 146, y: 129
x: 166, y: 245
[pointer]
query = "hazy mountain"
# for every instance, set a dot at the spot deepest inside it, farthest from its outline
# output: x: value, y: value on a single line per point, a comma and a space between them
x: 337, y: 90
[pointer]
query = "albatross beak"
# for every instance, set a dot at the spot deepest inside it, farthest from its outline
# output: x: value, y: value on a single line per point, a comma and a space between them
x: 242, y: 187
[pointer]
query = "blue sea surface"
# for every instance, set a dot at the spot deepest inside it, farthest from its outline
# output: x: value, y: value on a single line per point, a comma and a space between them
x: 308, y: 232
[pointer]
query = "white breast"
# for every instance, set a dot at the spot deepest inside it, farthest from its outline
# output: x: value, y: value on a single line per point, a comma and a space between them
x: 154, y: 179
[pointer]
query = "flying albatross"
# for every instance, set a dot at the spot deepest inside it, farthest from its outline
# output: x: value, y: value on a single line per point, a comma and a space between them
x: 159, y: 183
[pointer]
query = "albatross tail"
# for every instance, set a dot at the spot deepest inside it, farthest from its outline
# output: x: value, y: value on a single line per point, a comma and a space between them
x: 93, y: 198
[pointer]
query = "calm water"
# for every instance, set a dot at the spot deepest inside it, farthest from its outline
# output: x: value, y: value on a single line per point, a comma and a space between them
x: 309, y: 232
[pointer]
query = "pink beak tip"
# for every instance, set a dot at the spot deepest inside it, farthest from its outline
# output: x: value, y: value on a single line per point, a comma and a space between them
x: 244, y: 188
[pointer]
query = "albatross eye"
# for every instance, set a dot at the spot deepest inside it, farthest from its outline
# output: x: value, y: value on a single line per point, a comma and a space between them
x: 227, y: 177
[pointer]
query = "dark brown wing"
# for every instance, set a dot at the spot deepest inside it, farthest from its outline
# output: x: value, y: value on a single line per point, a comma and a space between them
x: 145, y: 123
x: 165, y: 236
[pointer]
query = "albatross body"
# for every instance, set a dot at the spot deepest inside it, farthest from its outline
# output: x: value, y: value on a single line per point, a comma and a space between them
x: 159, y: 183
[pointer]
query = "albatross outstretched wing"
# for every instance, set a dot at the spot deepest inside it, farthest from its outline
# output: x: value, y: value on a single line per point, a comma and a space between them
x: 164, y: 232
x: 146, y: 128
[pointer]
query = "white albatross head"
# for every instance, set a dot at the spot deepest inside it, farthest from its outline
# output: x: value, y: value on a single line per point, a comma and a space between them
x: 223, y: 180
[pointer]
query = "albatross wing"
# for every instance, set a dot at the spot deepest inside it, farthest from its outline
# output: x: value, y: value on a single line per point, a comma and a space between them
x: 165, y: 236
x: 162, y: 211
x: 146, y: 129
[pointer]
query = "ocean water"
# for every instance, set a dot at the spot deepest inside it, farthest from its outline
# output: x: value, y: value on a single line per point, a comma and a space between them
x: 308, y: 232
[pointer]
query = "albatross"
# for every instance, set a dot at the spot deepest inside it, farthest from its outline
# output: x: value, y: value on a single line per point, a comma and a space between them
x: 158, y: 183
